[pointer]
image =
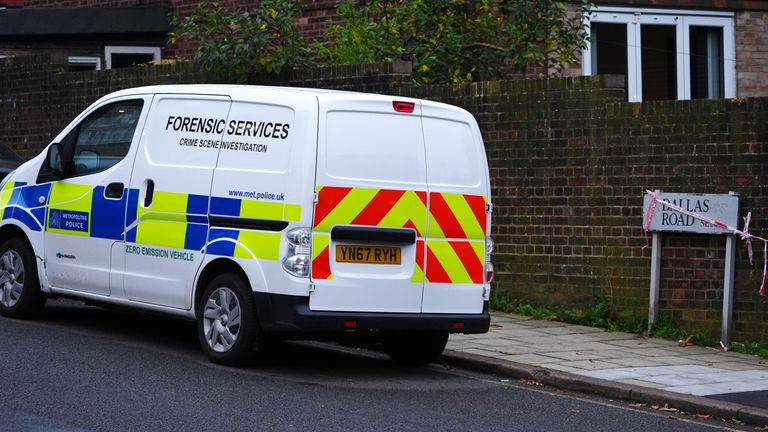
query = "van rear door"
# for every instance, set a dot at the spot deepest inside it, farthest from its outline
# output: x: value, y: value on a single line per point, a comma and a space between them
x: 458, y: 184
x: 370, y: 215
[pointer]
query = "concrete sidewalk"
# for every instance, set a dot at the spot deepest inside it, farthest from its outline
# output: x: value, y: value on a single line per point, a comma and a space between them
x: 615, y: 364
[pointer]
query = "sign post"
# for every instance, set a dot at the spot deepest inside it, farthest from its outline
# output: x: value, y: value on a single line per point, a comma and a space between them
x: 718, y: 207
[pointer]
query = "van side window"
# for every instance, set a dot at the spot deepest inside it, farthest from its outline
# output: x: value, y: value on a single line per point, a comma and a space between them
x: 104, y: 137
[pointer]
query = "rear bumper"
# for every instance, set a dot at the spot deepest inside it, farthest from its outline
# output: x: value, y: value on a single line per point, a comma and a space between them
x: 284, y: 313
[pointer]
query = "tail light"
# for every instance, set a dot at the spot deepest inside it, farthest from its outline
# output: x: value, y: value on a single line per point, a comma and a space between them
x: 488, y: 264
x: 298, y: 259
x: 488, y: 271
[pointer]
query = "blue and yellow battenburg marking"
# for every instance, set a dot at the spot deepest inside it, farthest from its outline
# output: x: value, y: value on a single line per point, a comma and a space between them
x: 22, y: 202
x: 174, y: 220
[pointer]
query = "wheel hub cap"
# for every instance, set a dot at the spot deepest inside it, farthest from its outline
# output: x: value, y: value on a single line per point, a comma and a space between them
x: 11, y: 278
x: 221, y: 319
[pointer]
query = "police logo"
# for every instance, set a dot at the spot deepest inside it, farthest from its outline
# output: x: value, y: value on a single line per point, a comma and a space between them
x: 55, y: 221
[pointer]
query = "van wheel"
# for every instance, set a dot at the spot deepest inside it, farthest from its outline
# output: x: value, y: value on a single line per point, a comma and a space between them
x: 20, y: 295
x: 226, y: 324
x: 417, y: 348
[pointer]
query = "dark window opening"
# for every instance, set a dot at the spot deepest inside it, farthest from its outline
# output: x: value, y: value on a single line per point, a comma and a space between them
x: 609, y: 49
x: 120, y: 60
x: 659, y: 59
x: 79, y: 67
x: 707, y: 81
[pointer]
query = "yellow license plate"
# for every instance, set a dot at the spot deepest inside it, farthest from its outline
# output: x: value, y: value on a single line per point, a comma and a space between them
x: 367, y: 254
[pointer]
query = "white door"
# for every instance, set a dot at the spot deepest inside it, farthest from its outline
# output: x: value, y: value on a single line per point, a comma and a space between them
x: 167, y: 215
x: 458, y: 222
x: 85, y: 211
x: 370, y: 217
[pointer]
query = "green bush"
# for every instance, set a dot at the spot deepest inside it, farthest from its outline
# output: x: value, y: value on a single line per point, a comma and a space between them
x: 237, y: 44
x: 457, y: 40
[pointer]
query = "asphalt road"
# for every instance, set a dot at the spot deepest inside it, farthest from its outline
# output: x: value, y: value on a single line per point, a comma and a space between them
x: 83, y: 368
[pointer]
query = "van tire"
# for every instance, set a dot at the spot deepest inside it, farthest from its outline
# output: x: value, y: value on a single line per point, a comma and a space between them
x: 20, y: 295
x: 415, y: 348
x: 223, y: 341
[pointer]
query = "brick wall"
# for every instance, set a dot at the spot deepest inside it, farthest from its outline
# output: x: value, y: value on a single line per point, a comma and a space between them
x: 569, y: 162
x: 37, y: 99
x: 751, y: 53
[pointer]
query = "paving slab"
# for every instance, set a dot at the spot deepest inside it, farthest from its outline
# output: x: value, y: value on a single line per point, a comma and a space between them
x: 636, y: 361
x: 577, y: 355
x: 593, y: 364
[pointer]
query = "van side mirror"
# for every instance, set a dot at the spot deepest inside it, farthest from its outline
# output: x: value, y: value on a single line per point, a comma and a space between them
x: 53, y: 166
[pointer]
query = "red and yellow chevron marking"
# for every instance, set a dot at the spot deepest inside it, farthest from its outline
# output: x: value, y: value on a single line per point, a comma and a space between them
x: 418, y: 269
x: 373, y: 207
x: 458, y: 262
x: 451, y: 216
x: 321, y: 257
x: 456, y: 216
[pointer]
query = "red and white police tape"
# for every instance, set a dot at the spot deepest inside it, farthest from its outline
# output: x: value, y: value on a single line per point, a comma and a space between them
x: 744, y: 234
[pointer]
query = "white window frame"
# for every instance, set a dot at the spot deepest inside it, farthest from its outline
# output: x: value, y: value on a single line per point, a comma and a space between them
x: 109, y: 50
x: 78, y: 60
x: 634, y: 18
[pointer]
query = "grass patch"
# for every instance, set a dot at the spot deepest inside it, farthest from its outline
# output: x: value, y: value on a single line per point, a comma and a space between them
x: 596, y: 316
x: 753, y: 348
x: 601, y: 315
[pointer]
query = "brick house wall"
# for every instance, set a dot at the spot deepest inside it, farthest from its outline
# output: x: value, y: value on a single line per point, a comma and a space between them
x: 313, y: 21
x: 752, y: 53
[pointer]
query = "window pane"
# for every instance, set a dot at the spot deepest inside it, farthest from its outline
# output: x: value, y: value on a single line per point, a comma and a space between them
x: 120, y: 60
x: 707, y: 61
x: 79, y: 67
x: 105, y: 136
x: 383, y: 147
x: 609, y: 49
x: 658, y: 55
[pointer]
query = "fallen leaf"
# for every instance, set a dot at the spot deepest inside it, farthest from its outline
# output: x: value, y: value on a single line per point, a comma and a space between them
x: 762, y: 427
x: 644, y: 337
x: 529, y: 381
x: 552, y: 318
x: 702, y: 416
x: 640, y: 405
x: 496, y: 326
x: 665, y: 408
x: 686, y: 341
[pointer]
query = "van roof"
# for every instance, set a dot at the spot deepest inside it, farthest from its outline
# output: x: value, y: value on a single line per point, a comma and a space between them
x: 255, y: 91
x: 226, y: 89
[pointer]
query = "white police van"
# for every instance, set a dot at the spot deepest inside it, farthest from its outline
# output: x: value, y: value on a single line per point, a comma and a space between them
x: 260, y: 212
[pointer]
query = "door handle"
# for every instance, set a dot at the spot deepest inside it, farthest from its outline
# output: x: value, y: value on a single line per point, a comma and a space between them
x: 114, y: 190
x: 149, y: 193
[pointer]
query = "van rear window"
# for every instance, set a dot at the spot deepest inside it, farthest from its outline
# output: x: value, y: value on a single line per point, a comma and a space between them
x: 375, y: 146
x: 453, y: 153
